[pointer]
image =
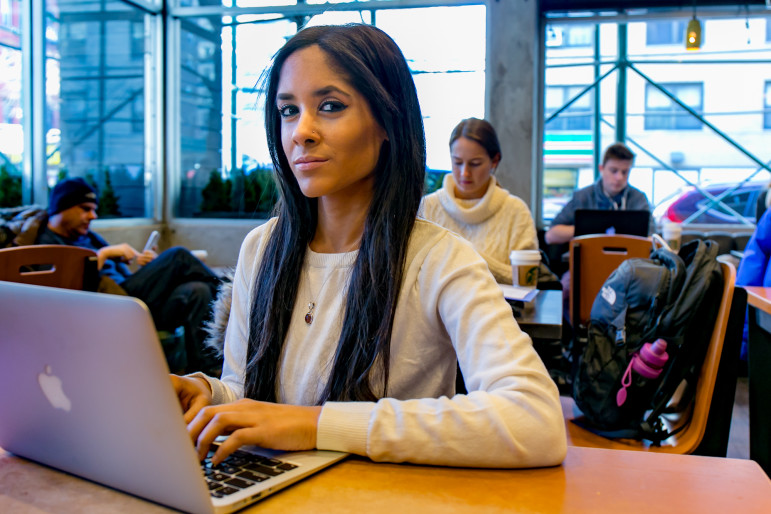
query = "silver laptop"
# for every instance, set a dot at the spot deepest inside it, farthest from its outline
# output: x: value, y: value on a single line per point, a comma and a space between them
x: 86, y: 390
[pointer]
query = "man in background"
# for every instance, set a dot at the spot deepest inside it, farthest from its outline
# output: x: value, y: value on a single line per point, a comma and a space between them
x: 177, y: 288
x: 611, y: 192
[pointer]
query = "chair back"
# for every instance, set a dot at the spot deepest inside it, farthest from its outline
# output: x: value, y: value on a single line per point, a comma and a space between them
x: 710, y: 412
x: 68, y: 267
x: 592, y: 259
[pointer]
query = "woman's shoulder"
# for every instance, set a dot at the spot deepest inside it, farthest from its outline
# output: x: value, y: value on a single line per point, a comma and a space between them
x: 258, y: 236
x: 429, y: 237
x: 513, y: 201
x: 430, y: 203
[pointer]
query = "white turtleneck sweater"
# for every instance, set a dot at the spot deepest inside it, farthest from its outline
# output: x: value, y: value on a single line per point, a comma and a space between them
x: 495, y: 224
x: 449, y: 310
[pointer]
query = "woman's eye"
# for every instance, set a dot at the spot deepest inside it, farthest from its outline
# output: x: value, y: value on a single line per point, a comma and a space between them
x: 332, y: 106
x: 286, y: 111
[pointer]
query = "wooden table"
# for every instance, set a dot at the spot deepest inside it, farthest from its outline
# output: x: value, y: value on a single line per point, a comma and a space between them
x: 759, y: 374
x: 590, y: 480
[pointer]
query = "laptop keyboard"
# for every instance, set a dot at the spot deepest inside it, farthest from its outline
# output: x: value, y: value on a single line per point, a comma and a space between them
x: 239, y: 471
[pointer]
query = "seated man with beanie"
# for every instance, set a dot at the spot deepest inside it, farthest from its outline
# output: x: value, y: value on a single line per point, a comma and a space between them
x: 176, y: 287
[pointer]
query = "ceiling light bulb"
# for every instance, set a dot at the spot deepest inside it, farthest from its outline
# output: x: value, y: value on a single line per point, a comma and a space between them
x: 693, y: 35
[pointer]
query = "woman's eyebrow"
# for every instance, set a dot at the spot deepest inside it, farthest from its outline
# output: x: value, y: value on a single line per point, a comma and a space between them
x: 322, y: 91
x: 329, y: 89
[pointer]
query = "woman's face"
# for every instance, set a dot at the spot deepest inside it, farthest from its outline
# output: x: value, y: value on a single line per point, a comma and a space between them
x: 328, y: 132
x: 471, y: 168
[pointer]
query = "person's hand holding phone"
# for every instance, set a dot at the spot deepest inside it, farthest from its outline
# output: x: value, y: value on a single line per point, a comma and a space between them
x: 149, y: 253
x: 152, y: 241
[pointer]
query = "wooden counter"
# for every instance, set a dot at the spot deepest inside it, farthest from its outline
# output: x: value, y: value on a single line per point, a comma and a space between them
x: 590, y: 480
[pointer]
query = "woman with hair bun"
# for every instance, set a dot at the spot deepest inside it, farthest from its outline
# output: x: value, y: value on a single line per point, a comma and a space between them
x: 471, y: 202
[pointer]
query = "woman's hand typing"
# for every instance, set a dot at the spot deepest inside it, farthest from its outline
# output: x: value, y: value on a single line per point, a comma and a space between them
x: 270, y: 425
x: 193, y: 393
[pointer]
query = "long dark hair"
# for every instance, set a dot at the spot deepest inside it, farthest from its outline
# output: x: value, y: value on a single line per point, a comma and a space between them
x: 480, y: 131
x: 376, y: 68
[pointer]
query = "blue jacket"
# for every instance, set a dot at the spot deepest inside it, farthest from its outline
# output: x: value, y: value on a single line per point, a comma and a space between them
x: 754, y: 269
x: 113, y: 268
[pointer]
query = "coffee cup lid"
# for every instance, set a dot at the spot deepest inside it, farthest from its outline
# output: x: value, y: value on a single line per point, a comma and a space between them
x: 525, y: 256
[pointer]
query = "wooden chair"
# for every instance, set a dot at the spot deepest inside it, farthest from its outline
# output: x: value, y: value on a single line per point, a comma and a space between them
x: 709, y: 418
x: 68, y: 267
x: 592, y: 259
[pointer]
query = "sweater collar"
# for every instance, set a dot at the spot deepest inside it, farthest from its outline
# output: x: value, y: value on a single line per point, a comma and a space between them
x: 461, y: 211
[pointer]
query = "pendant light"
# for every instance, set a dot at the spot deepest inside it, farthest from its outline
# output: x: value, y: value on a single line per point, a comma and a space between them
x: 693, y: 35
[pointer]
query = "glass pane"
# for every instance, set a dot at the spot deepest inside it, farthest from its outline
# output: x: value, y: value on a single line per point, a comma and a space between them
x: 682, y: 164
x: 226, y: 167
x: 225, y: 160
x: 670, y: 32
x: 11, y: 133
x: 95, y: 96
x: 233, y: 3
x: 449, y: 71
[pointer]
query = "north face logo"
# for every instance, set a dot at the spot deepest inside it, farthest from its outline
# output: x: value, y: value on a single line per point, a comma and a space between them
x: 608, y: 294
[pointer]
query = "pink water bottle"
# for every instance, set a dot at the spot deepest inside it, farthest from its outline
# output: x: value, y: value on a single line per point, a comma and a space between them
x: 648, y: 362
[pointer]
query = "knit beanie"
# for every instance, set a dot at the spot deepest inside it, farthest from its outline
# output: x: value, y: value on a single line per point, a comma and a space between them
x: 70, y: 192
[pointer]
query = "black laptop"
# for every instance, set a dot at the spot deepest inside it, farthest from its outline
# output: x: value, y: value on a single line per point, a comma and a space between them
x: 595, y: 221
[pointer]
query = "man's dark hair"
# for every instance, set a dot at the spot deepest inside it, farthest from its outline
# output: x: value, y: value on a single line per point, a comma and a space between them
x: 373, y: 64
x: 618, y: 151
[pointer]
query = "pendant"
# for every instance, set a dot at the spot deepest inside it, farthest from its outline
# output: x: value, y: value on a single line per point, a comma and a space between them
x: 309, y: 316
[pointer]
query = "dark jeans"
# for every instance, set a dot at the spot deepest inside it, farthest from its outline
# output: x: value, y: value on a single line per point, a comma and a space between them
x: 179, y: 290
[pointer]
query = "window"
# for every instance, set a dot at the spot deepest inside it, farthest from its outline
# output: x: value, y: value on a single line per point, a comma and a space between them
x: 569, y: 35
x: 661, y: 113
x: 767, y: 106
x: 665, y: 32
x: 576, y: 117
x: 676, y: 151
x: 95, y: 94
x: 11, y: 131
x: 224, y: 160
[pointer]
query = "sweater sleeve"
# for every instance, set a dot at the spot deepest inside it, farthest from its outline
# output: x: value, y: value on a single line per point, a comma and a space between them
x: 567, y: 215
x: 520, y: 234
x: 511, y: 416
x: 500, y: 270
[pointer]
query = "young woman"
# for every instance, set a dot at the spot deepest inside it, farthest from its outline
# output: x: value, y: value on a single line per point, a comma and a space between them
x: 348, y: 314
x: 470, y: 204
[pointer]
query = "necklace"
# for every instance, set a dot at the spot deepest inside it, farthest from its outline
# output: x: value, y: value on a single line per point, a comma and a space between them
x: 312, y: 303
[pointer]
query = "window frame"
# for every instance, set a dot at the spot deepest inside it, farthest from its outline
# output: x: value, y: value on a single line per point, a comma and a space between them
x: 672, y: 115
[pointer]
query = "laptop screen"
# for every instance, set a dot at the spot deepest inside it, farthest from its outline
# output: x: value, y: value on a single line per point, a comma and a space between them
x: 594, y: 221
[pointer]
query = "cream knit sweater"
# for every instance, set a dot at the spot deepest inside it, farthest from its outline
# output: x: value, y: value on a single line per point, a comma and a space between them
x: 495, y: 224
x: 449, y: 310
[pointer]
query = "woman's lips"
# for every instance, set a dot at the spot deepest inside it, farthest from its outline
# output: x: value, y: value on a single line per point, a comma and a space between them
x: 308, y: 163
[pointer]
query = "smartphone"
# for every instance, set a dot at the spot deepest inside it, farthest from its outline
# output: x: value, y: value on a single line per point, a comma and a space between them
x: 152, y: 240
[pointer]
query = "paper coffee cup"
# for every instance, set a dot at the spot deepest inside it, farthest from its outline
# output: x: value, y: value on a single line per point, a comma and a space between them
x: 524, y: 267
x: 201, y: 255
x: 672, y: 233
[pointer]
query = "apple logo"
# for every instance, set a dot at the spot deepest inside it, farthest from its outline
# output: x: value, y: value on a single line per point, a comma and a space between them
x: 52, y: 389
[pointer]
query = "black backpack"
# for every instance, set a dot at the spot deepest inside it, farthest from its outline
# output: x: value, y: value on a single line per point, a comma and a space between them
x: 670, y: 296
